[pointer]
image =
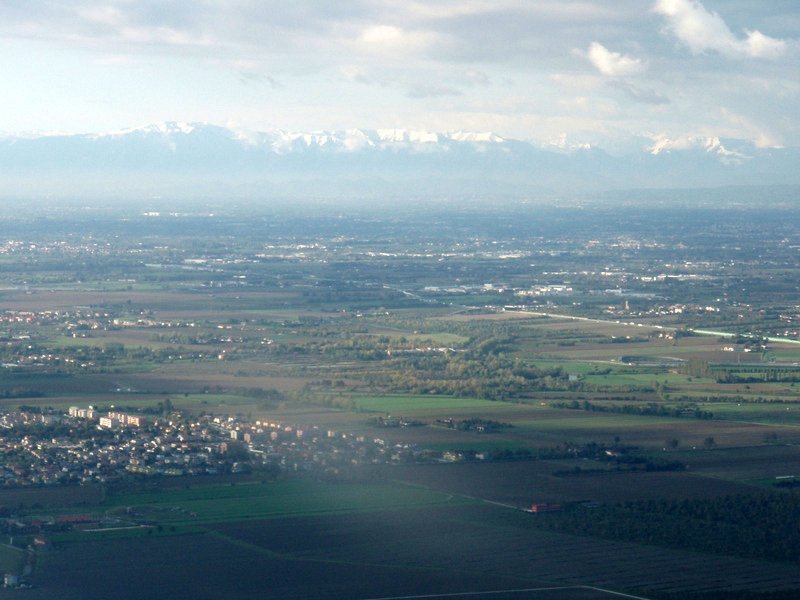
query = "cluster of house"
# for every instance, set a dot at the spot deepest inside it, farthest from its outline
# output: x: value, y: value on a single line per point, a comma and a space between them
x: 72, y: 318
x: 315, y: 449
x: 112, y: 420
x: 33, y: 453
x: 51, y: 448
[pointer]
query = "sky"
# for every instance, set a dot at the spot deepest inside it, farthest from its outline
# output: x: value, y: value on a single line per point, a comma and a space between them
x: 609, y: 73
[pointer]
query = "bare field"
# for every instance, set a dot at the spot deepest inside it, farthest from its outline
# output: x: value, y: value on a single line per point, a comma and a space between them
x: 522, y: 483
x: 498, y: 542
x: 537, y: 426
x: 46, y: 497
x: 213, y: 566
x: 192, y: 377
x: 501, y: 316
x: 443, y: 549
x: 41, y: 299
x: 651, y: 432
x: 745, y: 463
x: 44, y: 299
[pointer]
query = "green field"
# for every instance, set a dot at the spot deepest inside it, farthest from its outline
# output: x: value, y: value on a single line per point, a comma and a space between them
x: 594, y: 422
x: 272, y: 500
x: 770, y: 413
x: 11, y: 559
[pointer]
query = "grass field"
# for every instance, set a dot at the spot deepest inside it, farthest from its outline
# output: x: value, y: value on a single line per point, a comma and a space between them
x: 273, y: 500
x: 768, y: 413
x: 11, y: 559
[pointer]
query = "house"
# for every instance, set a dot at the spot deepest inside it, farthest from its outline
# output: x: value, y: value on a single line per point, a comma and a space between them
x: 540, y: 508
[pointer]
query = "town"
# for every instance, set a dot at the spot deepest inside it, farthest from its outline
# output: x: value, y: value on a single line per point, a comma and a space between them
x: 84, y: 446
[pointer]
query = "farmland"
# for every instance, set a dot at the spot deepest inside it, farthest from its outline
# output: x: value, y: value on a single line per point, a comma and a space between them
x: 450, y: 545
x: 319, y: 408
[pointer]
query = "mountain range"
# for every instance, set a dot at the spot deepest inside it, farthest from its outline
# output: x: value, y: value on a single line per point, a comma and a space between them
x: 195, y: 159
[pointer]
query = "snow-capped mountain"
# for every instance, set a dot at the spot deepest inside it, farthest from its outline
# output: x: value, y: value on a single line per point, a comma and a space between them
x: 197, y: 158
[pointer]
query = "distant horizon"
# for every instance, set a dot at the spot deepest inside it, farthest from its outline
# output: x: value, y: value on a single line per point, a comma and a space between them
x: 654, y: 144
x: 743, y: 198
x: 194, y: 160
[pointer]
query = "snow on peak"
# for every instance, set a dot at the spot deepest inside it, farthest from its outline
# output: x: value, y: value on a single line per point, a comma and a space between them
x: 561, y: 143
x: 711, y: 145
x: 469, y: 136
x: 405, y: 135
x: 355, y: 139
x: 350, y: 140
x: 164, y: 128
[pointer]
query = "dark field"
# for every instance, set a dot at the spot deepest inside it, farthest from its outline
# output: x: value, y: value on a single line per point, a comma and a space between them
x: 494, y: 541
x: 523, y: 483
x: 748, y: 463
x: 386, y: 554
x: 547, y: 593
x: 49, y: 497
x: 210, y: 567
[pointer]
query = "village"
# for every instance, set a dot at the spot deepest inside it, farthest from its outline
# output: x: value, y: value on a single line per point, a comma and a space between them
x: 83, y: 446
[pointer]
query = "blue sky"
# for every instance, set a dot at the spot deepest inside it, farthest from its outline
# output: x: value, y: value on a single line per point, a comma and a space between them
x: 611, y: 73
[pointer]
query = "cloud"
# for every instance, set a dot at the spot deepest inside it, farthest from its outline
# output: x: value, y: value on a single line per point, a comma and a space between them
x: 393, y: 40
x: 581, y: 82
x: 634, y: 92
x: 410, y: 62
x: 613, y: 63
x: 414, y: 86
x: 107, y: 15
x: 320, y: 32
x: 701, y: 31
x: 761, y: 46
x: 247, y: 77
x: 355, y: 74
x: 479, y: 78
x: 554, y: 10
x: 427, y: 90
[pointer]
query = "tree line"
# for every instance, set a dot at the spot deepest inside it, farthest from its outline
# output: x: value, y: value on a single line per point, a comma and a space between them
x: 755, y: 526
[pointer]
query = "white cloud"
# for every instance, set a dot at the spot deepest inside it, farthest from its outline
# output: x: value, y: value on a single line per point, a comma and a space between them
x: 701, y: 31
x: 613, y: 63
x: 108, y: 15
x: 355, y: 73
x: 165, y: 36
x: 247, y: 78
x: 761, y: 46
x: 581, y: 82
x: 556, y: 10
x: 396, y: 40
x: 474, y: 77
x: 639, y: 94
x: 428, y: 90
